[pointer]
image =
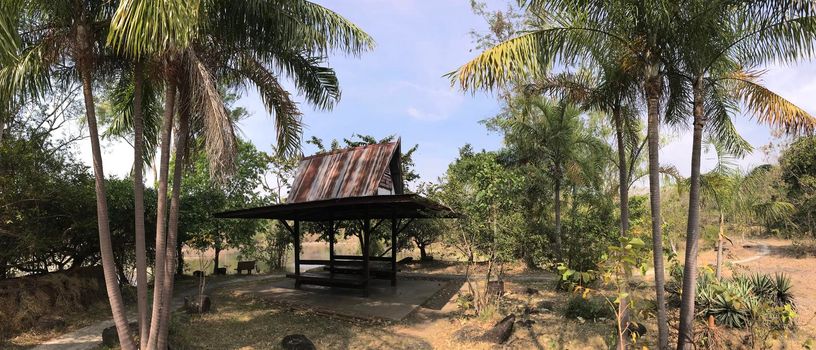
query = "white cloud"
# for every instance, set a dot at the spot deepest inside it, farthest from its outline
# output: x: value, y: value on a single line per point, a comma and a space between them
x: 417, y: 114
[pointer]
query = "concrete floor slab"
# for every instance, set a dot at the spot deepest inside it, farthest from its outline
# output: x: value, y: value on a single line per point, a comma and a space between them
x: 384, y: 302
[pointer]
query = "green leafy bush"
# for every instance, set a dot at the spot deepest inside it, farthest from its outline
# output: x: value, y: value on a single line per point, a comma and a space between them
x: 571, y: 279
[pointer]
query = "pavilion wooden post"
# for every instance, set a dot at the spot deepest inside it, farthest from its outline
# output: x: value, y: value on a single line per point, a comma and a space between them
x: 331, y: 248
x: 366, y: 241
x: 296, y: 232
x: 394, y: 229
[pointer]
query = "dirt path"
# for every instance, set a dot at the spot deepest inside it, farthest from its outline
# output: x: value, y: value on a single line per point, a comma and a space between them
x: 91, y: 336
x: 763, y: 251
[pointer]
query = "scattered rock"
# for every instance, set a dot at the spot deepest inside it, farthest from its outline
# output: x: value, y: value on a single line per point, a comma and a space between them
x: 531, y: 291
x: 501, y: 331
x: 527, y: 311
x: 198, y: 273
x: 197, y: 304
x: 297, y: 342
x: 545, y: 306
x: 406, y: 260
x: 526, y: 323
x: 110, y: 338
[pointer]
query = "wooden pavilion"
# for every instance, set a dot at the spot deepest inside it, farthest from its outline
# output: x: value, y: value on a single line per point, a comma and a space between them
x: 361, y: 183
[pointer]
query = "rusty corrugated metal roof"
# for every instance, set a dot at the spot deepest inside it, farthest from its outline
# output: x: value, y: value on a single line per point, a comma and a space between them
x: 350, y: 172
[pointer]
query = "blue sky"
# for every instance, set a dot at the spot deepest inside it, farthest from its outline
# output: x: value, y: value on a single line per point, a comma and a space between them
x: 399, y: 88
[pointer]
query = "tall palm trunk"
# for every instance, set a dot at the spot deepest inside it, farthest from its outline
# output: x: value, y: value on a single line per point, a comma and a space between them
x: 161, y: 211
x: 84, y: 62
x: 557, y: 203
x: 653, y: 91
x: 172, y: 227
x: 720, y: 245
x: 138, y: 199
x: 623, y: 180
x: 686, y: 331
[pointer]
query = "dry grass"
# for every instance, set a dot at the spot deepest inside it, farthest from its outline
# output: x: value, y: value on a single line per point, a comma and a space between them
x: 241, y: 322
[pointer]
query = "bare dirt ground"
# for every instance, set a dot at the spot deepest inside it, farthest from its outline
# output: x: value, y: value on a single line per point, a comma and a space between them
x: 247, y: 323
x: 242, y: 322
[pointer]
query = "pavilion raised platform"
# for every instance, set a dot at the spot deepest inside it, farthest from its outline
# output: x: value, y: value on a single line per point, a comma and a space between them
x: 348, y: 271
x: 363, y: 184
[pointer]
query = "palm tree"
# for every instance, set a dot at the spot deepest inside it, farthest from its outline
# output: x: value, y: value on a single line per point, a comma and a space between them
x: 581, y: 31
x: 44, y: 35
x: 201, y: 44
x: 550, y: 135
x: 726, y: 36
x: 612, y: 91
x: 134, y: 101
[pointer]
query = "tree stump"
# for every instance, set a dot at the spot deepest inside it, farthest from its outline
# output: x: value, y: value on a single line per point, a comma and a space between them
x: 197, y: 304
x: 297, y: 342
x: 501, y: 331
x: 495, y: 288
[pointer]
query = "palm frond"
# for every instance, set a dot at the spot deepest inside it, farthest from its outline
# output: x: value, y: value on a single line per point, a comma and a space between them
x: 329, y: 30
x: 768, y: 107
x: 9, y: 39
x: 285, y: 24
x: 26, y: 75
x: 318, y: 84
x: 520, y: 57
x: 721, y: 130
x: 279, y: 103
x: 121, y: 124
x: 141, y: 27
x: 207, y: 107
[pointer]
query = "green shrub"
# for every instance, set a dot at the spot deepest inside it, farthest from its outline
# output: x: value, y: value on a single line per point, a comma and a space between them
x: 587, y: 308
x: 571, y: 279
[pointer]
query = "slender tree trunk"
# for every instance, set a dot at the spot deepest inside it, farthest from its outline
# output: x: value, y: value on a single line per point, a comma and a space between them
x: 720, y: 246
x: 217, y: 249
x: 161, y: 211
x: 557, y: 203
x: 105, y: 247
x: 423, y: 254
x: 179, y: 260
x: 623, y: 187
x: 138, y: 205
x: 653, y: 88
x: 686, y: 331
x: 172, y: 227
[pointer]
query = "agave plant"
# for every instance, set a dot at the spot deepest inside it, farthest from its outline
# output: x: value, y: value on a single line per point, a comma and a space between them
x: 730, y: 302
x: 774, y: 290
x: 762, y: 285
x: 782, y: 294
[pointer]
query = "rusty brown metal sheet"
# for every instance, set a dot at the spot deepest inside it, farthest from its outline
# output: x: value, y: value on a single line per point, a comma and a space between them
x: 351, y: 172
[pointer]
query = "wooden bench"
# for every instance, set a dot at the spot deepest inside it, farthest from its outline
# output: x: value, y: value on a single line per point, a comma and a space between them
x: 330, y: 280
x: 245, y: 265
